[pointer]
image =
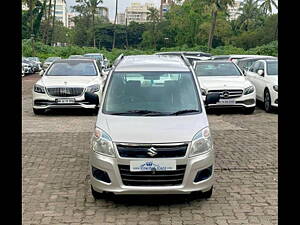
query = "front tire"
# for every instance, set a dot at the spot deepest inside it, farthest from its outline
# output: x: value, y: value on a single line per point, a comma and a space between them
x: 208, y: 194
x: 96, y: 194
x: 267, y: 101
x: 38, y: 111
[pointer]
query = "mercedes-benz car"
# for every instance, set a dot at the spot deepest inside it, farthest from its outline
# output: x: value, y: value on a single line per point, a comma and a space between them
x: 152, y: 134
x: 64, y: 83
x: 226, y: 78
x: 49, y: 61
x: 264, y: 75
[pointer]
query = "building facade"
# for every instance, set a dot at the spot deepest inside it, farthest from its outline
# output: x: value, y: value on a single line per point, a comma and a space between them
x: 103, y: 12
x: 61, y: 12
x: 234, y: 11
x: 121, y: 19
x: 71, y: 16
x: 137, y: 12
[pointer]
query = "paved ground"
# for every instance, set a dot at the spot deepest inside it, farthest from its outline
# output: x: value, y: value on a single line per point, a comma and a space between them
x: 56, y: 187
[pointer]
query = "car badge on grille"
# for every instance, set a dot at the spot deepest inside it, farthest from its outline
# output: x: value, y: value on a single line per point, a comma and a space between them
x: 152, y: 151
x: 225, y: 94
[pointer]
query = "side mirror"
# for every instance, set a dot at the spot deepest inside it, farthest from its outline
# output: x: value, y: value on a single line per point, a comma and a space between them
x: 41, y: 72
x: 91, y: 98
x: 260, y: 72
x: 212, y: 98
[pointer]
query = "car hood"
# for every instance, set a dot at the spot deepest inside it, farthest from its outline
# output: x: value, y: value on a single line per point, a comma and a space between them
x: 224, y: 82
x: 272, y: 79
x: 157, y: 129
x: 77, y: 81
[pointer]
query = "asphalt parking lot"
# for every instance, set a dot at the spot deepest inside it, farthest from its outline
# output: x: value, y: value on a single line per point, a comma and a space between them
x: 55, y: 180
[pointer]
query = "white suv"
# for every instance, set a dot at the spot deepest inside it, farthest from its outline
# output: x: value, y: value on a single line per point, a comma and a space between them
x: 152, y: 134
x: 226, y: 78
x: 64, y: 84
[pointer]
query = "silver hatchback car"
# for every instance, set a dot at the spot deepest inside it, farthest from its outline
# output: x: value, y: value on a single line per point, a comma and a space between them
x: 152, y: 134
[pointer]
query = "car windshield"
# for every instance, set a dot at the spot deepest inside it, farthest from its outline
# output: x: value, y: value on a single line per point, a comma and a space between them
x: 151, y: 93
x: 74, y: 68
x: 97, y: 57
x: 272, y: 68
x: 51, y: 59
x: 216, y: 69
x: 33, y: 58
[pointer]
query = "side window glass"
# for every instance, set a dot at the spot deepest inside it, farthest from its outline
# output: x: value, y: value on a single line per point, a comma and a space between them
x: 261, y: 66
x: 255, y: 67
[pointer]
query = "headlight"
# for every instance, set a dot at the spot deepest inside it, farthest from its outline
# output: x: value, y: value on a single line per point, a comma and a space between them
x: 201, y: 142
x: 249, y: 90
x: 102, y: 143
x: 203, y: 91
x: 38, y: 88
x: 93, y: 88
x: 275, y: 87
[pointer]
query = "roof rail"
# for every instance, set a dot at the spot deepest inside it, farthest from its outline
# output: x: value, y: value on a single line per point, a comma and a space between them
x: 186, y: 61
x: 118, y: 60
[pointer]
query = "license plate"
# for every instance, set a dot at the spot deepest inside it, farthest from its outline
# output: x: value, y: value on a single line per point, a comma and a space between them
x: 65, y: 100
x: 152, y: 165
x: 226, y: 102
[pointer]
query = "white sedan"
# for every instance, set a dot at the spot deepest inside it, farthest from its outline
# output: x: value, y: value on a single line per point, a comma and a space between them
x: 225, y: 78
x: 64, y: 84
x: 264, y: 76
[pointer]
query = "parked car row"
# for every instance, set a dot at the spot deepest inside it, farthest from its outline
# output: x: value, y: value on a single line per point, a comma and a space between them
x: 152, y: 134
x: 30, y: 65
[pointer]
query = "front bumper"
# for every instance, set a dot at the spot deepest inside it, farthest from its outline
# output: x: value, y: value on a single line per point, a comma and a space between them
x: 116, y: 186
x: 245, y: 101
x: 44, y: 101
x: 274, y: 98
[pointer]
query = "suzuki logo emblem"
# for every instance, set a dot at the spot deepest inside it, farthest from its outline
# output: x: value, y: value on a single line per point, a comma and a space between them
x: 152, y: 151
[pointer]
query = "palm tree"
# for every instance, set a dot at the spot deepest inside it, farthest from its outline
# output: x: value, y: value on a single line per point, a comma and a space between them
x: 266, y: 5
x: 93, y: 6
x: 153, y: 17
x: 45, y: 36
x: 216, y: 6
x: 115, y: 22
x: 30, y: 4
x: 53, y: 22
x: 249, y: 12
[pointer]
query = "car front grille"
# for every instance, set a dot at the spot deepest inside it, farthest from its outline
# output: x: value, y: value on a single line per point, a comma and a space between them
x: 65, y: 91
x: 152, y: 151
x: 228, y: 93
x: 150, y: 178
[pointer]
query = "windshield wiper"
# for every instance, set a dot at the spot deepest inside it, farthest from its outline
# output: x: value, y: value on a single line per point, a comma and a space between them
x: 139, y: 112
x: 184, y: 111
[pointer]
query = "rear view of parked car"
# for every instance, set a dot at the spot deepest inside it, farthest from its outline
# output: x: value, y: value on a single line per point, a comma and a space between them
x: 152, y: 134
x: 76, y: 56
x: 27, y: 66
x: 64, y: 83
x: 100, y: 59
x: 37, y: 63
x: 49, y: 61
x: 264, y: 75
x: 225, y: 78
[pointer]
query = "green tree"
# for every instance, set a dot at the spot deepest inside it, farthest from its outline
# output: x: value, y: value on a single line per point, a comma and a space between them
x: 216, y: 6
x: 115, y: 22
x: 251, y: 16
x: 266, y: 7
x: 90, y: 7
x: 153, y: 17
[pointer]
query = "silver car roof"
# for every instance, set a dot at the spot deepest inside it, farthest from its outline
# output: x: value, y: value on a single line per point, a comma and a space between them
x: 152, y: 63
